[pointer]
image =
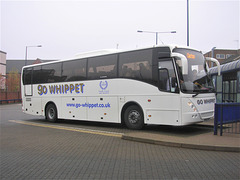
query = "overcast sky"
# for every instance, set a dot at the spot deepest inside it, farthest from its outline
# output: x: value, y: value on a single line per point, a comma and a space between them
x: 66, y: 28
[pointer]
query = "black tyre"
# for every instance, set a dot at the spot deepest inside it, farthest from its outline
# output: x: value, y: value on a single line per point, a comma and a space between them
x: 133, y: 117
x: 51, y: 113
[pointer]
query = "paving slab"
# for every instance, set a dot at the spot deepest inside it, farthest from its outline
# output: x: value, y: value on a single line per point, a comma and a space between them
x: 207, y: 141
x: 198, y: 138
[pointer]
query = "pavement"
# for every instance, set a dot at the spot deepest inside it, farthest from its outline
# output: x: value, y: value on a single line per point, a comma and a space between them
x: 202, y: 138
x: 199, y: 136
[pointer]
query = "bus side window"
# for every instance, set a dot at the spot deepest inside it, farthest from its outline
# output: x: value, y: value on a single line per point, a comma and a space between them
x: 74, y: 70
x: 136, y: 65
x: 51, y: 73
x: 27, y: 76
x: 102, y: 67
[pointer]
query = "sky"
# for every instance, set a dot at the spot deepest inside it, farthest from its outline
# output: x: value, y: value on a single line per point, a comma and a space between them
x: 66, y: 28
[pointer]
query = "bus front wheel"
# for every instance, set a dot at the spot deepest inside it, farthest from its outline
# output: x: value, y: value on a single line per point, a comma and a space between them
x: 51, y: 113
x: 133, y: 117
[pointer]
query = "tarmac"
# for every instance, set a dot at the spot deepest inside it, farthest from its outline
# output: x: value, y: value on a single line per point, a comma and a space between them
x: 202, y: 137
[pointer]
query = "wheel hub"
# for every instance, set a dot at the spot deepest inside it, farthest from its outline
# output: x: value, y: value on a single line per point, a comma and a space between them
x: 51, y: 113
x: 134, y: 116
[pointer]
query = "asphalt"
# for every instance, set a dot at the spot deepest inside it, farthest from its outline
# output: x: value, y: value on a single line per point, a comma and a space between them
x: 199, y: 136
x: 202, y: 139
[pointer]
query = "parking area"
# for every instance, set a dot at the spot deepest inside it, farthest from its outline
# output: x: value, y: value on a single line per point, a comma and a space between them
x: 32, y: 148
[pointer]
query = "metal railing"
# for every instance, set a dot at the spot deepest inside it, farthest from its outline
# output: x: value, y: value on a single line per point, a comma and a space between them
x: 10, y: 101
x: 227, y: 118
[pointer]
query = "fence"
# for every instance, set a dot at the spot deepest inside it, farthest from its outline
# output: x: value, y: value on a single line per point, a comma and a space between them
x: 227, y: 116
x: 10, y: 97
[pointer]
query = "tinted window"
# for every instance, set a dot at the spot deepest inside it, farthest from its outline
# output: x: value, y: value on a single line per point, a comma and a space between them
x: 74, y: 70
x: 51, y: 73
x: 27, y: 76
x: 102, y: 67
x: 38, y: 75
x: 136, y: 65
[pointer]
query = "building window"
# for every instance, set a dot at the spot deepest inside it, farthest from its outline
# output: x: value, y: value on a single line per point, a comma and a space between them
x: 228, y: 55
x: 220, y: 56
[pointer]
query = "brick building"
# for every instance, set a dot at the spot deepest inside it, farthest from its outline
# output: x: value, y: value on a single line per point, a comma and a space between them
x: 224, y: 55
x: 19, y: 63
x: 2, y: 69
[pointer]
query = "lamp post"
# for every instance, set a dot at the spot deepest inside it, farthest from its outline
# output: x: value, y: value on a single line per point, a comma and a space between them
x: 26, y: 52
x: 187, y: 22
x: 139, y: 31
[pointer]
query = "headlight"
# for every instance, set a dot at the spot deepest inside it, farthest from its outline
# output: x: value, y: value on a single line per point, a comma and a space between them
x: 191, y: 105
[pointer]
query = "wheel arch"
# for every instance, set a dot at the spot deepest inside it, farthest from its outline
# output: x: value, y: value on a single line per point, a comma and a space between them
x: 126, y: 105
x: 48, y: 103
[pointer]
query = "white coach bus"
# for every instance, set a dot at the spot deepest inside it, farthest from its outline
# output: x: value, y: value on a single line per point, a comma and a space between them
x: 162, y: 85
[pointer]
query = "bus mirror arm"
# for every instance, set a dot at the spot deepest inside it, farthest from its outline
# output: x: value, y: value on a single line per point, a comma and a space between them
x: 184, y: 62
x: 216, y: 62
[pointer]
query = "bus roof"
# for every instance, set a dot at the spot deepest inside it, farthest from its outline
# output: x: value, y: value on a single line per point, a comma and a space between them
x: 97, y: 53
x: 110, y: 51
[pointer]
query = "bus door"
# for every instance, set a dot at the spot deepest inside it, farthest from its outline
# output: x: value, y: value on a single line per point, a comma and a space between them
x: 167, y: 79
x: 168, y: 110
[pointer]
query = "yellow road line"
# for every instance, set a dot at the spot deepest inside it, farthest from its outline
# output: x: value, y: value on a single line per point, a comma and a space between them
x: 89, y: 131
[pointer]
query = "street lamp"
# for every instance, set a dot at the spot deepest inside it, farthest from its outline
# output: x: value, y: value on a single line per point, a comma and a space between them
x: 156, y: 33
x: 187, y: 22
x: 26, y: 52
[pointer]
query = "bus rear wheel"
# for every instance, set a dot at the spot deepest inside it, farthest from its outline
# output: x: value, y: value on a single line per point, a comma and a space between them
x: 51, y: 113
x: 133, y: 117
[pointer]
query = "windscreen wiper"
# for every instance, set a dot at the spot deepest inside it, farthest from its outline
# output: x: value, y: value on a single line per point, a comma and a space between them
x: 197, y: 93
x: 200, y: 91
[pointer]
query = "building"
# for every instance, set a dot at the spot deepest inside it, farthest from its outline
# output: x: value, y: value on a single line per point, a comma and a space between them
x: 2, y: 70
x: 17, y: 65
x: 223, y: 55
x: 13, y: 72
